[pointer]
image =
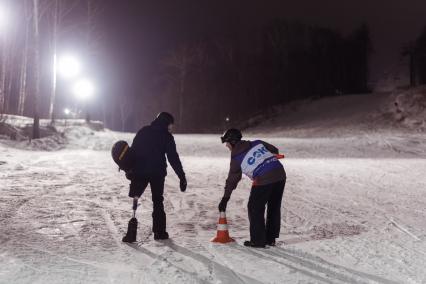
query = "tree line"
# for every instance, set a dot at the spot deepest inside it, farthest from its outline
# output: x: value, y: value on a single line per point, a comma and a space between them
x: 416, y: 51
x: 214, y: 81
x: 209, y: 80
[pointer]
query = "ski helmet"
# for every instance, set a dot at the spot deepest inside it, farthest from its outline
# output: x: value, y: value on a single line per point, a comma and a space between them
x: 231, y: 135
x: 121, y: 154
x: 167, y: 117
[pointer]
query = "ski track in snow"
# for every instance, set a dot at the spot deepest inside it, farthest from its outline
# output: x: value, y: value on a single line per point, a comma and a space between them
x: 351, y: 214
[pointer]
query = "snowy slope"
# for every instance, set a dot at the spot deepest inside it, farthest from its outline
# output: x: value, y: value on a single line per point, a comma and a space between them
x: 346, y: 115
x: 353, y: 211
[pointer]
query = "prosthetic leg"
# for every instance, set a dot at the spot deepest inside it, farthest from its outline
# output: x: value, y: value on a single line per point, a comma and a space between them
x: 132, y: 228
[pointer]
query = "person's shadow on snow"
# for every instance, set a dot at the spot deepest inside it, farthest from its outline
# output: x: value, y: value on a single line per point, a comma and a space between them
x: 219, y: 271
x: 224, y: 273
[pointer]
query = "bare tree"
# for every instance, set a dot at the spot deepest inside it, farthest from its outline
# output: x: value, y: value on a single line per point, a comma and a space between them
x: 3, y: 73
x: 410, y: 51
x: 12, y: 70
x: 36, y: 115
x: 7, y: 67
x: 125, y: 112
x: 9, y: 80
x: 24, y: 63
x: 93, y: 32
x: 179, y: 63
x: 3, y: 76
x: 54, y: 41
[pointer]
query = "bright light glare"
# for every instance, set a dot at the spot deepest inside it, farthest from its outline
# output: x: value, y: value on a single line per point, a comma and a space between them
x: 4, y: 17
x: 68, y: 66
x: 67, y: 111
x: 84, y: 89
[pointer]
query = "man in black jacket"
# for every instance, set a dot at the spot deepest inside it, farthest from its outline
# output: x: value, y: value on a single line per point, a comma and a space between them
x: 150, y: 146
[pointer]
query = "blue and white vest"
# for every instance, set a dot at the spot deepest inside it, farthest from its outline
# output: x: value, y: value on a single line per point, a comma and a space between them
x: 257, y: 161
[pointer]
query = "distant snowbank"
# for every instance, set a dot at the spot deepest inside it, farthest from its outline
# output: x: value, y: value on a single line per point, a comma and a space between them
x: 82, y: 137
x: 16, y: 131
x: 50, y: 143
x: 23, y: 121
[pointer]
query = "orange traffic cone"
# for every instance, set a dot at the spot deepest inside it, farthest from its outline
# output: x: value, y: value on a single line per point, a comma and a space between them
x: 222, y: 231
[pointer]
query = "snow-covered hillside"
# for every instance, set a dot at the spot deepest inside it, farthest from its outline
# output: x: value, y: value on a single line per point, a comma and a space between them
x: 353, y: 210
x: 346, y: 115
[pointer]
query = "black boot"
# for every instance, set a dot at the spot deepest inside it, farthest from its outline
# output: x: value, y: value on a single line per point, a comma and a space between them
x: 253, y: 245
x: 270, y: 242
x: 161, y: 236
x: 132, y: 230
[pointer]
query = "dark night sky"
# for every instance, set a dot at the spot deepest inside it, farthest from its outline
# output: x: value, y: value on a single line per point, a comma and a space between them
x: 139, y: 32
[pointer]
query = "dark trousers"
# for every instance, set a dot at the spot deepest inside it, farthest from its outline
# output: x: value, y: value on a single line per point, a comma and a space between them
x: 137, y: 188
x: 261, y: 196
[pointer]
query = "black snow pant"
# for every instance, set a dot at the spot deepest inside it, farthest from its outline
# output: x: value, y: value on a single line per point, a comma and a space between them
x: 269, y: 195
x: 137, y: 188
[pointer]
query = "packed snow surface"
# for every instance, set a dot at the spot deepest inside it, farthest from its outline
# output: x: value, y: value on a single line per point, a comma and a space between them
x: 353, y: 212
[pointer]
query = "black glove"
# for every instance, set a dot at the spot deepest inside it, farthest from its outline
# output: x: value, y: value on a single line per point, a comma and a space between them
x: 130, y: 175
x: 223, y: 203
x: 183, y: 184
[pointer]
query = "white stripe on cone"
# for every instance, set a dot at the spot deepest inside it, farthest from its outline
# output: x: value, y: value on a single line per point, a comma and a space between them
x: 222, y: 214
x: 222, y: 227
